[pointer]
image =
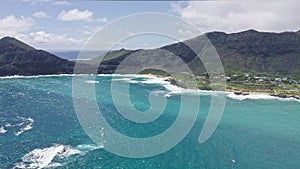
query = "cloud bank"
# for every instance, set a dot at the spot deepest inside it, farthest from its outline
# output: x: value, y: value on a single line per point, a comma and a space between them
x: 234, y: 16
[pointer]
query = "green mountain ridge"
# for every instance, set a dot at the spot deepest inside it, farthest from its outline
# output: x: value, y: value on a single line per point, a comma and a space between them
x: 277, y: 53
x: 18, y: 58
x: 247, y: 51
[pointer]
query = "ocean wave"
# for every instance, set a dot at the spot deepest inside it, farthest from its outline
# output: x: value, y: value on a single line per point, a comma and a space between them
x: 126, y: 79
x: 156, y: 80
x: 44, y: 158
x: 92, y: 81
x: 17, y: 125
x: 2, y: 130
x: 250, y: 96
x: 26, y: 125
x: 258, y: 96
x: 175, y: 90
x: 152, y: 79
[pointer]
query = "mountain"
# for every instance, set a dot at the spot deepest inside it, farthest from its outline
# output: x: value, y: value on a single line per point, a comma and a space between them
x: 17, y: 58
x: 243, y: 52
x: 248, y: 51
x: 251, y: 50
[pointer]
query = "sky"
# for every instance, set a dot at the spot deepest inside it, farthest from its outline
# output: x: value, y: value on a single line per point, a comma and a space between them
x: 68, y: 25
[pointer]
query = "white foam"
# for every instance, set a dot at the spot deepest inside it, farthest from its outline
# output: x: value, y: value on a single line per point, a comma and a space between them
x: 156, y: 80
x: 258, y: 96
x: 8, y: 125
x: 2, y: 130
x: 152, y: 79
x: 68, y: 151
x: 27, y: 127
x: 125, y: 79
x: 22, y: 124
x: 92, y: 81
x: 250, y: 96
x: 42, y: 158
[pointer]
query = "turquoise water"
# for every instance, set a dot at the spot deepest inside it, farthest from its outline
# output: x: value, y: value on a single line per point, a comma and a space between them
x: 39, y: 128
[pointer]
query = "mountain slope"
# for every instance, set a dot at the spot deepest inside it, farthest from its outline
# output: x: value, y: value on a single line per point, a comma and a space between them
x: 17, y: 58
x: 259, y: 51
x: 248, y: 51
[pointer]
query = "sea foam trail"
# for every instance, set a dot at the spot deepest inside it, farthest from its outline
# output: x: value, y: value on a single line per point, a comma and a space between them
x: 43, y: 158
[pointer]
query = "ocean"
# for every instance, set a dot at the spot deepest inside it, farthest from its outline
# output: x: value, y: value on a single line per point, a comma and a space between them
x: 40, y: 126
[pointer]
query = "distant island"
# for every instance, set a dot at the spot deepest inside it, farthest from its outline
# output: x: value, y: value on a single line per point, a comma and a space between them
x: 262, y: 62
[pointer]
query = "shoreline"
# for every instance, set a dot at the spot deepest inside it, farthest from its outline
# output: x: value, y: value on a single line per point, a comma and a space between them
x: 240, y: 93
x: 168, y: 79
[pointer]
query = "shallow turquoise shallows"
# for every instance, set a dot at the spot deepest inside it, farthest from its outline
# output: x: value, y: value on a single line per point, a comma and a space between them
x: 39, y: 128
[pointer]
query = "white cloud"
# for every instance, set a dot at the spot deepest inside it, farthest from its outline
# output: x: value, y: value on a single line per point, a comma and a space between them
x: 44, y: 37
x: 40, y: 14
x: 233, y: 16
x: 61, y: 3
x: 76, y: 15
x: 13, y: 26
x: 45, y: 40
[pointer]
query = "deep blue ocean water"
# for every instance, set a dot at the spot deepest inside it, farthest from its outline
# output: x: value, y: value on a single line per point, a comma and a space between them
x: 39, y: 128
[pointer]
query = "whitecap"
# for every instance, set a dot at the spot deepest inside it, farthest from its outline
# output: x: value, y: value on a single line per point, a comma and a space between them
x: 250, y: 96
x: 2, y: 130
x: 42, y: 158
x: 156, y: 80
x: 125, y: 79
x: 258, y: 96
x: 92, y: 81
x: 29, y: 126
x: 8, y: 125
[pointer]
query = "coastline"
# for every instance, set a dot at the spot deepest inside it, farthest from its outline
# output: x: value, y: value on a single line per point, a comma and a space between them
x: 242, y: 94
x: 239, y: 92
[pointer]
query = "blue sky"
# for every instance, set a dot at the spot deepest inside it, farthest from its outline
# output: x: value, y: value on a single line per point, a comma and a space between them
x: 67, y: 25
